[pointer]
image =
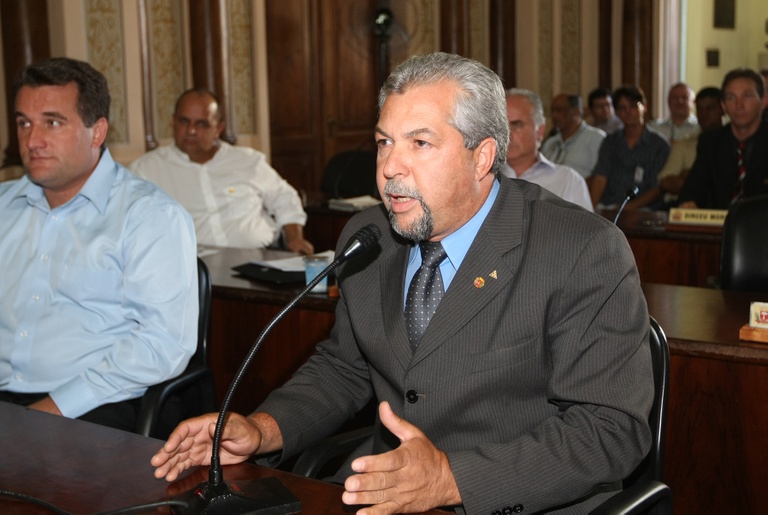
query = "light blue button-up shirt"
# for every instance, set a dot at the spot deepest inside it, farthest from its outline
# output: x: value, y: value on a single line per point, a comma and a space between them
x: 98, y: 297
x: 456, y: 244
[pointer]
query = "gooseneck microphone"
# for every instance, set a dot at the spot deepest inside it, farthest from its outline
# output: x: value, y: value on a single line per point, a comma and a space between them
x: 264, y: 495
x: 629, y: 195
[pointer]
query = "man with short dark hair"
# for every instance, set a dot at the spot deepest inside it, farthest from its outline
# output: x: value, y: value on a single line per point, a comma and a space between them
x: 98, y: 299
x: 601, y: 111
x: 629, y: 158
x: 732, y: 162
x: 575, y: 144
x: 235, y: 197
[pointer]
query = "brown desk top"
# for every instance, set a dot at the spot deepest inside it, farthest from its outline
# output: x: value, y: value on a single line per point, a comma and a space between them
x: 85, y: 468
x: 705, y: 322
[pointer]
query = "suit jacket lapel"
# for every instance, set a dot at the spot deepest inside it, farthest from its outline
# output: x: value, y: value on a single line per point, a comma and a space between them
x: 483, y: 274
x: 392, y: 291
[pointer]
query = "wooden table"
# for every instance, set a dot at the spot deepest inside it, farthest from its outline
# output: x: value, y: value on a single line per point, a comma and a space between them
x: 668, y: 253
x: 716, y: 443
x: 85, y: 468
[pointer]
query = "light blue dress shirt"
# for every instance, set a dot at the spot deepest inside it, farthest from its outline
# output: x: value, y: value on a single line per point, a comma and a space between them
x: 456, y: 244
x: 98, y: 298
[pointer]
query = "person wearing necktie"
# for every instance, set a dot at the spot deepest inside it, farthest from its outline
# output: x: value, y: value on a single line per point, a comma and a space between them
x: 505, y: 400
x: 732, y: 162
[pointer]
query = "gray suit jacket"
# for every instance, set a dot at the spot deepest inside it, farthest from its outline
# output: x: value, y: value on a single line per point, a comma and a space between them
x: 537, y: 385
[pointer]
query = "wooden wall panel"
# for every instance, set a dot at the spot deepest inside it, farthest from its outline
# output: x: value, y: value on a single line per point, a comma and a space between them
x: 294, y: 90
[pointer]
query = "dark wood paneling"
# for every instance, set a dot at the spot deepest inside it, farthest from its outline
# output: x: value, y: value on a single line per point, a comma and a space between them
x: 502, y: 40
x: 637, y: 47
x: 350, y: 59
x: 454, y: 27
x: 211, y: 66
x: 295, y: 90
x: 604, y: 50
x: 25, y: 41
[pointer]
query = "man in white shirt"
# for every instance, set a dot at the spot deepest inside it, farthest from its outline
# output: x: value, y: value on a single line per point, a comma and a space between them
x: 526, y: 131
x: 235, y: 197
x: 575, y: 144
x: 681, y: 123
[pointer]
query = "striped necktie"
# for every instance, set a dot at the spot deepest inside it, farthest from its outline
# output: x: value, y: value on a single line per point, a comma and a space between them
x: 741, y: 171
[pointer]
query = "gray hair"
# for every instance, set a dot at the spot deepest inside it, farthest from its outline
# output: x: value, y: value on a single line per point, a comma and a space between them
x: 537, y: 109
x: 479, y: 111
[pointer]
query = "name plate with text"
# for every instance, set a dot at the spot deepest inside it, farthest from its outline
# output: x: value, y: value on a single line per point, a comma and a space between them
x: 708, y: 217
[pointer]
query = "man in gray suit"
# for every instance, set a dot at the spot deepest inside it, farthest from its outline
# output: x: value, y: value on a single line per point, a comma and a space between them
x: 530, y: 388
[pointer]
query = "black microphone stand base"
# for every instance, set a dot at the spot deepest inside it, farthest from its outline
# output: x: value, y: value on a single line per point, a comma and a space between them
x: 266, y: 496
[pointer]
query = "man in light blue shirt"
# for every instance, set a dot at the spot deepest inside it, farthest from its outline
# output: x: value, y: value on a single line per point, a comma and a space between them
x: 99, y: 293
x: 575, y: 144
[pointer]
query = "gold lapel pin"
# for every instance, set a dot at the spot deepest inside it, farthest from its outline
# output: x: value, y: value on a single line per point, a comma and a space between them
x: 494, y: 275
x: 479, y: 282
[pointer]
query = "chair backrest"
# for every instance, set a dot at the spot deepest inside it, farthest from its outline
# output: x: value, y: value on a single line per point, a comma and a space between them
x: 192, y: 392
x: 744, y: 249
x: 204, y: 318
x: 350, y: 174
x: 652, y: 466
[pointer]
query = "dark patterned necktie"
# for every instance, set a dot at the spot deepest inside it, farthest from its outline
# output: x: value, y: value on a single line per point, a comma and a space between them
x: 424, y: 292
x: 741, y: 171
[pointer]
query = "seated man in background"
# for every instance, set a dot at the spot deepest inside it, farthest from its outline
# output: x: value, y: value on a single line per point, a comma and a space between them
x: 630, y: 157
x: 601, y: 111
x: 235, y: 197
x: 575, y: 144
x: 524, y: 161
x: 505, y: 398
x: 732, y: 162
x: 681, y: 123
x: 709, y: 112
x: 98, y: 299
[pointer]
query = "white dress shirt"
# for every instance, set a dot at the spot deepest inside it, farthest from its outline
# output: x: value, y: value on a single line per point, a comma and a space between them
x: 236, y: 199
x: 579, y: 152
x: 560, y: 180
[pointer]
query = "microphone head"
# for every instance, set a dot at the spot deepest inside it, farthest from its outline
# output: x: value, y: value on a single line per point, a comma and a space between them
x: 365, y: 238
x: 632, y: 192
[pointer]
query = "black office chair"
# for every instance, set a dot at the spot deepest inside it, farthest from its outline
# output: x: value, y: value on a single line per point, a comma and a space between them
x: 191, y: 393
x: 351, y: 173
x: 643, y: 490
x: 744, y: 248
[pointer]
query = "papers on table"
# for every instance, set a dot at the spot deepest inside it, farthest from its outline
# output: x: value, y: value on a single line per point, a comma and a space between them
x: 292, y: 264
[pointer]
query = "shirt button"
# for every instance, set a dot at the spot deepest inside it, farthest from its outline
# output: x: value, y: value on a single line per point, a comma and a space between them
x: 36, y: 297
x: 19, y: 377
x: 44, y: 257
x: 23, y: 334
x: 411, y: 396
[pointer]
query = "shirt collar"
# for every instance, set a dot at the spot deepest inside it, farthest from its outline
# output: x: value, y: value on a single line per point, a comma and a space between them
x: 96, y: 189
x: 542, y: 163
x: 457, y: 244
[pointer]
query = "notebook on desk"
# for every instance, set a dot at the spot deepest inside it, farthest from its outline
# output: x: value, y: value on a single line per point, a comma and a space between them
x: 268, y: 274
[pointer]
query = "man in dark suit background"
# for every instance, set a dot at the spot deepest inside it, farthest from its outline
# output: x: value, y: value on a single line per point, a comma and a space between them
x: 529, y: 389
x: 715, y: 181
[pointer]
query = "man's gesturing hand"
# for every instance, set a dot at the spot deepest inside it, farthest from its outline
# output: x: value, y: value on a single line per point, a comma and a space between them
x: 414, y: 477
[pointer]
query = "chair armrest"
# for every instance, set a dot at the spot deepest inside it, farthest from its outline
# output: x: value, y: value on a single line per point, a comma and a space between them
x: 156, y: 396
x: 312, y: 460
x: 638, y: 498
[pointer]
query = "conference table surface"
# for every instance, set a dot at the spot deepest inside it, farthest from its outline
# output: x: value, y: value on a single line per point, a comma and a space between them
x: 81, y: 467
